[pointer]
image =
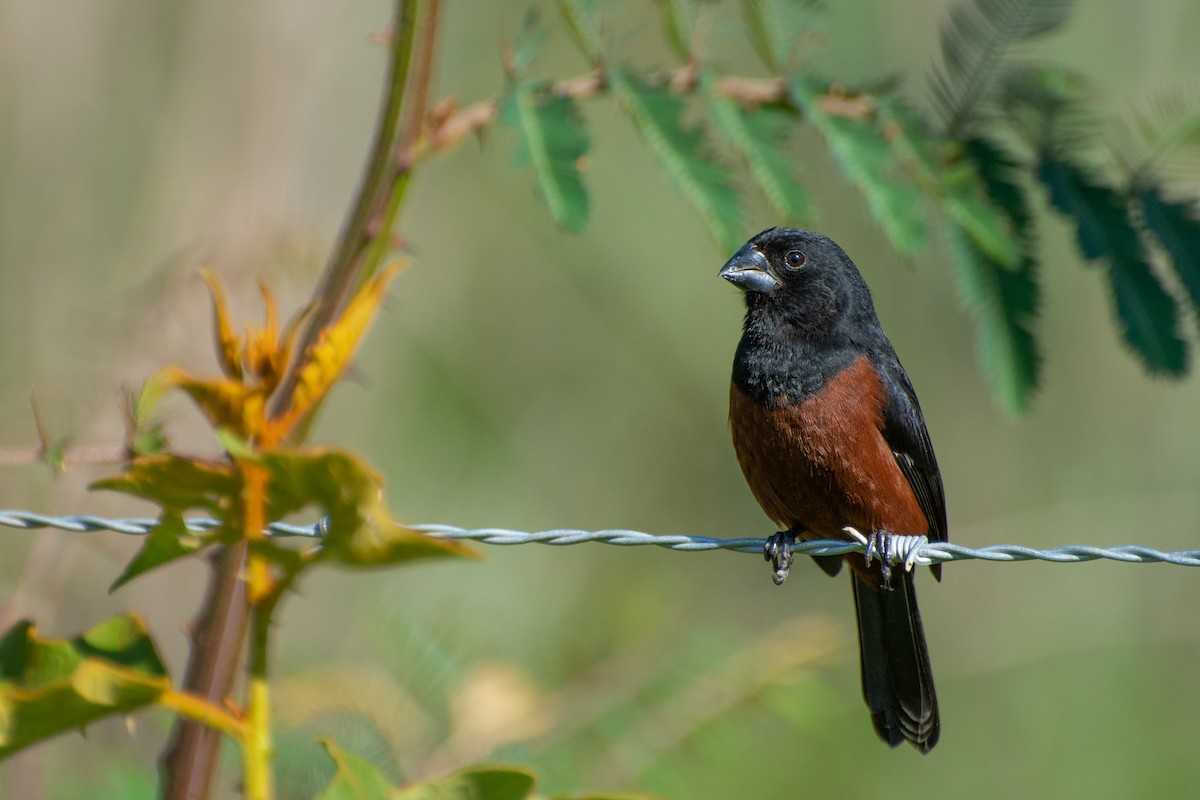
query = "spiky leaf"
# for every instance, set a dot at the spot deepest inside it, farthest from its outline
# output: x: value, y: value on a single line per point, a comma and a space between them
x: 51, y: 686
x: 759, y: 135
x: 854, y: 136
x: 167, y: 541
x: 703, y: 180
x: 176, y: 483
x: 1177, y: 229
x: 975, y: 41
x: 361, y: 532
x: 777, y: 26
x: 552, y: 139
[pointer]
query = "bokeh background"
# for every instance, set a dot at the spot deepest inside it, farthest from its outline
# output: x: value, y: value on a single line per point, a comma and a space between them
x: 524, y: 378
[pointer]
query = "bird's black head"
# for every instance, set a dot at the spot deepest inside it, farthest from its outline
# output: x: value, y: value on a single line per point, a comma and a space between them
x: 801, y: 283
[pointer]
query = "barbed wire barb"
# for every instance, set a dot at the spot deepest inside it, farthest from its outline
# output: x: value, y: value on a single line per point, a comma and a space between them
x: 908, y: 551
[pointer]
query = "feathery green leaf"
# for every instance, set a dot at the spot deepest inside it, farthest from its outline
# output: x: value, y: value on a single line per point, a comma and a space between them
x: 552, y: 139
x: 868, y: 160
x: 951, y: 180
x: 529, y: 41
x: 678, y: 18
x: 583, y: 20
x: 1149, y: 317
x: 704, y: 181
x: 1177, y: 229
x: 1004, y: 302
x: 759, y: 135
x: 1102, y: 225
x: 975, y: 40
x: 1005, y: 299
x: 777, y: 26
x: 1147, y: 314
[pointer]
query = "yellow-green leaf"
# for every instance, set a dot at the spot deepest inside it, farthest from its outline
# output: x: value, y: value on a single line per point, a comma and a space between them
x: 176, y: 483
x: 229, y: 347
x: 169, y: 540
x: 226, y: 402
x: 481, y: 782
x: 324, y: 363
x: 361, y: 532
x: 355, y: 779
x: 50, y: 686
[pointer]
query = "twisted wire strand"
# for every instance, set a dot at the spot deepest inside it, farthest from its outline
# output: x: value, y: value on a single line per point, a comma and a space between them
x: 906, y: 550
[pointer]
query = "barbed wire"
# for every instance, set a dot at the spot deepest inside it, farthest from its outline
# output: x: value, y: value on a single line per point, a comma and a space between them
x: 907, y: 549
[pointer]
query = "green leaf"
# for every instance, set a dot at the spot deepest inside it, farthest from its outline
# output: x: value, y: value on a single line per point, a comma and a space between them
x: 704, y: 181
x: 361, y: 532
x: 1177, y: 229
x: 776, y: 27
x: 167, y: 541
x: 176, y: 483
x: 355, y: 779
x: 999, y: 173
x: 1004, y: 303
x: 552, y: 139
x: 530, y: 40
x: 867, y: 158
x: 679, y: 19
x: 1149, y: 317
x: 1102, y: 225
x: 474, y: 783
x: 584, y: 22
x: 975, y: 41
x: 952, y: 181
x: 50, y: 686
x: 760, y: 136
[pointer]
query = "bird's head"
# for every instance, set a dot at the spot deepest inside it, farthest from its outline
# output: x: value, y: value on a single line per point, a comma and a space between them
x: 801, y: 279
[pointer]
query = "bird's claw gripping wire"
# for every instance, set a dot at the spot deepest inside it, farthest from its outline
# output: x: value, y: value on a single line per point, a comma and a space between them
x: 778, y: 550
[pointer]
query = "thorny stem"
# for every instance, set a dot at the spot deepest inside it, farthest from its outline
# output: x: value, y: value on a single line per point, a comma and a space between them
x: 190, y: 758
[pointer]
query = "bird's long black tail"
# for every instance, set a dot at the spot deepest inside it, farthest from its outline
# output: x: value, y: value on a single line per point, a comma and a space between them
x: 896, y: 679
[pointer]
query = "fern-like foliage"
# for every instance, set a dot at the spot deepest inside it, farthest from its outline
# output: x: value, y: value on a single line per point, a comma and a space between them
x: 1176, y: 227
x: 865, y: 155
x: 777, y: 27
x: 682, y: 150
x: 552, y: 139
x: 760, y: 136
x: 1005, y: 298
x: 975, y: 41
x: 1146, y: 312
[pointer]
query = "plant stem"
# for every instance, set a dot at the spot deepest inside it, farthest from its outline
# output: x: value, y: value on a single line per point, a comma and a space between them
x: 343, y: 269
x: 256, y: 746
x: 190, y: 757
x: 202, y: 711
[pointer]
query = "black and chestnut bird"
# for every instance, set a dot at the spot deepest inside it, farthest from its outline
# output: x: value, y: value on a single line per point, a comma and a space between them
x: 830, y: 437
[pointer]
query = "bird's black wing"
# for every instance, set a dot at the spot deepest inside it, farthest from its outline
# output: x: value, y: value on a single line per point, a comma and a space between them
x: 906, y: 435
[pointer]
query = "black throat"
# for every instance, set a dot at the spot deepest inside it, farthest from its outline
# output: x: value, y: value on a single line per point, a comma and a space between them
x: 777, y: 366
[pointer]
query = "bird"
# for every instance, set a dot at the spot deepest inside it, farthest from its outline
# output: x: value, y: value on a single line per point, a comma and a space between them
x: 831, y: 440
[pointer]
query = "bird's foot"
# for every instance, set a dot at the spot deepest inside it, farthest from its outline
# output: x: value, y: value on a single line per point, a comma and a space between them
x: 882, y: 544
x: 778, y: 550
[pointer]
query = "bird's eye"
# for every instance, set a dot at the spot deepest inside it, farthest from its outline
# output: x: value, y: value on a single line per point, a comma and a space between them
x: 794, y: 259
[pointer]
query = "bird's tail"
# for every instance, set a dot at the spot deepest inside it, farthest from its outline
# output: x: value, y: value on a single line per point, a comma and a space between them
x: 896, y: 679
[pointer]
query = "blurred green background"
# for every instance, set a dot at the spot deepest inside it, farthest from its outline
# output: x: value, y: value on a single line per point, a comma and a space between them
x: 524, y: 378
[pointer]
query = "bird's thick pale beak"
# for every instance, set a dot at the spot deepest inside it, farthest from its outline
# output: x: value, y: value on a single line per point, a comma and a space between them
x: 749, y: 271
